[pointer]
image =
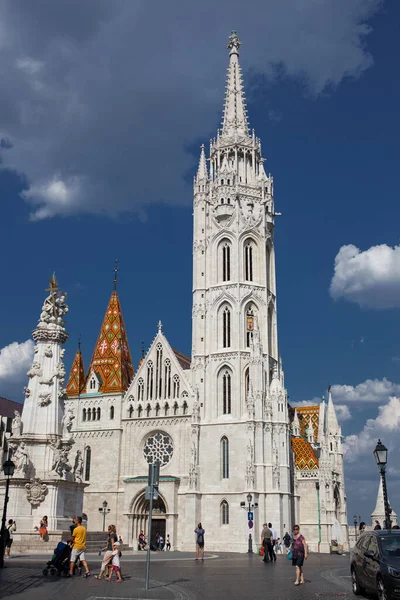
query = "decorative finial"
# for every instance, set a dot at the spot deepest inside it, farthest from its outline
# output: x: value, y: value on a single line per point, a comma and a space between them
x: 116, y: 269
x: 142, y: 350
x: 329, y: 388
x: 53, y: 287
x: 160, y: 326
x: 234, y: 43
x: 79, y: 342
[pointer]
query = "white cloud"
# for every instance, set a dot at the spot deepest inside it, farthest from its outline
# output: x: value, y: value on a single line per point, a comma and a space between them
x: 104, y: 97
x: 15, y: 359
x: 342, y: 412
x: 371, y: 391
x: 370, y: 278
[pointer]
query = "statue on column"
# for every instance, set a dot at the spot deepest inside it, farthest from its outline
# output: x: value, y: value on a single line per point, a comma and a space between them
x: 66, y: 422
x: 16, y: 424
x: 21, y: 459
x: 78, y: 467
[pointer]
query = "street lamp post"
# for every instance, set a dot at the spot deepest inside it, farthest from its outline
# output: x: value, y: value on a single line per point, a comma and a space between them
x: 355, y: 526
x: 104, y: 510
x: 380, y: 454
x: 249, y: 509
x: 8, y: 468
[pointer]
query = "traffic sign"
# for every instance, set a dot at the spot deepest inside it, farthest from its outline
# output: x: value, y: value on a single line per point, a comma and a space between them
x: 250, y: 524
x: 250, y: 516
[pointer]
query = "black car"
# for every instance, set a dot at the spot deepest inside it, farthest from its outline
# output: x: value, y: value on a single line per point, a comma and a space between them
x: 375, y: 564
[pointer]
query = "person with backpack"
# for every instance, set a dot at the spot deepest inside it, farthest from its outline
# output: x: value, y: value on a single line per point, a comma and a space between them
x: 199, y: 531
x: 11, y: 527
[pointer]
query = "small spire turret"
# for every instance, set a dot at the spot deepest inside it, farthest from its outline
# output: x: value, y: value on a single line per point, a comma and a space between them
x: 235, y: 113
x: 202, y: 174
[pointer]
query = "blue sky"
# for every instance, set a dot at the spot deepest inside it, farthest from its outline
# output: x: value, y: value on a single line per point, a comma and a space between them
x: 104, y: 110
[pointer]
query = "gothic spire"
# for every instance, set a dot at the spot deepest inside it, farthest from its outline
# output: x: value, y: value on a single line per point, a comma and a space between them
x: 235, y: 113
x: 76, y: 379
x: 202, y: 174
x: 111, y: 359
x: 332, y: 425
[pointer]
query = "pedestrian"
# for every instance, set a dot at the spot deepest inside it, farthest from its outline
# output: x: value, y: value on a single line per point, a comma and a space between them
x: 299, y: 553
x: 43, y: 529
x: 274, y: 539
x: 377, y: 525
x: 141, y: 540
x: 160, y: 543
x: 120, y: 540
x: 266, y: 541
x: 11, y: 527
x: 108, y: 549
x: 78, y: 547
x: 395, y: 527
x: 199, y: 531
x: 157, y: 542
x: 362, y: 527
x: 287, y: 541
x: 168, y: 543
x: 278, y: 546
x: 115, y: 563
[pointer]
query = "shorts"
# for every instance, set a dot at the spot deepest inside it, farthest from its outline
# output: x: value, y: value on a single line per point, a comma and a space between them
x: 298, y: 562
x: 75, y: 554
x: 9, y: 543
x: 115, y: 568
x: 200, y: 546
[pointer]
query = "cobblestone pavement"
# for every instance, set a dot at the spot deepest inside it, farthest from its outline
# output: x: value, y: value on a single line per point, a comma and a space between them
x: 178, y: 576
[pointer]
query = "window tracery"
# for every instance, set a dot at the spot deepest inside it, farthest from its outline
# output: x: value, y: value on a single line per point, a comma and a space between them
x: 226, y: 392
x: 158, y: 446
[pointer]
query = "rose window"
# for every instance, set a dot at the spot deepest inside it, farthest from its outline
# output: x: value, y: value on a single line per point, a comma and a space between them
x: 158, y: 446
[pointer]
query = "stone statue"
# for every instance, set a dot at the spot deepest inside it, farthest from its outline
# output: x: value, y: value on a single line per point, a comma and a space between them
x: 78, y: 467
x: 16, y: 424
x: 60, y: 459
x: 21, y: 459
x: 48, y: 351
x: 66, y: 422
x: 35, y: 370
x: 193, y: 476
x: 27, y: 392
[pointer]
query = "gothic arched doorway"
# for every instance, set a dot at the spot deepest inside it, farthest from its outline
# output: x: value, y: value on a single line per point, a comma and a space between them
x: 140, y: 517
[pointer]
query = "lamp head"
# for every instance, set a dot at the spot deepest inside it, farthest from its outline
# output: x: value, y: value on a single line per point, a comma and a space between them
x: 380, y: 454
x: 105, y: 504
x: 249, y: 498
x: 355, y: 519
x: 8, y: 468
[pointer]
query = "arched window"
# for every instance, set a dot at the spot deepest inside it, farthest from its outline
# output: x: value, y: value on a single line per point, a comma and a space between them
x: 139, y: 411
x: 248, y: 261
x: 226, y: 261
x: 249, y: 325
x: 184, y: 408
x: 140, y: 389
x: 226, y: 328
x: 148, y: 409
x: 176, y: 385
x: 98, y: 413
x: 130, y: 412
x: 166, y: 409
x: 224, y: 458
x: 246, y: 383
x: 89, y: 414
x: 159, y: 371
x: 157, y: 410
x: 176, y: 408
x: 226, y: 393
x: 112, y: 411
x: 167, y: 378
x: 149, y: 392
x: 224, y: 513
x: 84, y: 414
x: 88, y: 458
x: 222, y: 200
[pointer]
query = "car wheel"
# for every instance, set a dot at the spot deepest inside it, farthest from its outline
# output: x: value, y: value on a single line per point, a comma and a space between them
x: 357, y: 590
x: 382, y: 594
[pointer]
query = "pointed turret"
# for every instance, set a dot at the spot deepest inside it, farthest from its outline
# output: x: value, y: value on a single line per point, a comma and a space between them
x: 296, y: 425
x: 321, y: 420
x: 310, y: 432
x: 111, y: 360
x: 76, y: 381
x: 235, y: 113
x: 379, y: 512
x: 332, y: 425
x: 202, y: 174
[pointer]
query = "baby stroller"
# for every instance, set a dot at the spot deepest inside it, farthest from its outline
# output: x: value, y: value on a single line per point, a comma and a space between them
x: 59, y: 562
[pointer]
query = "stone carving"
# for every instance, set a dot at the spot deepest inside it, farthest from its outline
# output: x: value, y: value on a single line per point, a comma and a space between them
x: 46, y: 381
x: 16, y: 425
x: 193, y: 476
x: 60, y: 464
x: 60, y: 372
x: 276, y: 475
x: 62, y: 352
x: 48, y: 351
x: 251, y: 406
x: 51, y: 324
x: 62, y: 393
x: 27, y: 392
x: 21, y: 459
x: 35, y: 370
x: 250, y: 469
x: 78, y: 467
x: 66, y: 422
x: 44, y: 398
x: 36, y: 492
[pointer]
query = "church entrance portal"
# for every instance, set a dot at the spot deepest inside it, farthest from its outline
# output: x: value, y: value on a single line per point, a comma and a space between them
x: 140, y: 519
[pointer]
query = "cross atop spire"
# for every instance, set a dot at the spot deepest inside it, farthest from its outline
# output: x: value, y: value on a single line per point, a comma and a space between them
x: 116, y: 269
x: 235, y: 113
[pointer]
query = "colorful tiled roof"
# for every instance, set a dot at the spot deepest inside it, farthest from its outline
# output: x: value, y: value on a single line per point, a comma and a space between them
x: 305, y: 459
x: 76, y: 381
x: 304, y: 413
x: 111, y: 358
x: 183, y: 360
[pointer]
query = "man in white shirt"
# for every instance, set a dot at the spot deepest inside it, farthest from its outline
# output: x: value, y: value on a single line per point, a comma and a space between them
x: 274, y: 538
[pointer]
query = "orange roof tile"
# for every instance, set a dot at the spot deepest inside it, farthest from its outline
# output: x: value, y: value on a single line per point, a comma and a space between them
x: 305, y: 459
x: 111, y: 358
x: 76, y: 379
x: 304, y: 413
